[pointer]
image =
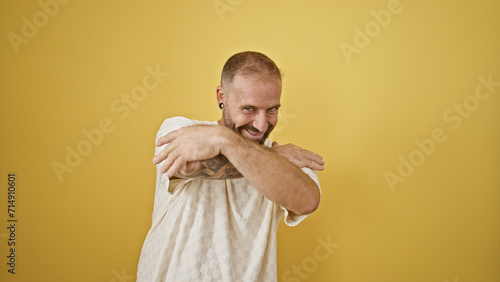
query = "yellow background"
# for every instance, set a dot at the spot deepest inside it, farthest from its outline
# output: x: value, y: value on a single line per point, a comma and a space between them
x: 441, y: 224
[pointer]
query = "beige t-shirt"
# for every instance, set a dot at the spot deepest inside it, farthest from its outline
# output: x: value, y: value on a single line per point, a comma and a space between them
x: 211, y: 230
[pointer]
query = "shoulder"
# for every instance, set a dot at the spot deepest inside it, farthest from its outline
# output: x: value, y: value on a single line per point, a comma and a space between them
x: 177, y: 121
x: 174, y: 123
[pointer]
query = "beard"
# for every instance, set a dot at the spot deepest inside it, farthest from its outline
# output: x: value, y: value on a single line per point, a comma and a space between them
x: 228, y: 121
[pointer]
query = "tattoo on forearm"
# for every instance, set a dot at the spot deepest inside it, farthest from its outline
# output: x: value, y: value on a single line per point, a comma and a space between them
x: 217, y: 167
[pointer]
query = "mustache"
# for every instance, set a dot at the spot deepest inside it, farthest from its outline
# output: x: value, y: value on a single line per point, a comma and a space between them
x: 253, y: 129
x: 249, y: 127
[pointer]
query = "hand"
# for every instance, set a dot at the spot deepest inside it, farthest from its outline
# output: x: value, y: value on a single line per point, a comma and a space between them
x: 186, y: 145
x: 300, y: 157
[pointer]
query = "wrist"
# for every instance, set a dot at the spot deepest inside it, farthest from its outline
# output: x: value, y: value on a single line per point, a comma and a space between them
x: 227, y: 140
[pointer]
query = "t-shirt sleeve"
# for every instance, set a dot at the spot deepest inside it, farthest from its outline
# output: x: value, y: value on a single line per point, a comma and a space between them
x: 291, y: 219
x: 169, y: 125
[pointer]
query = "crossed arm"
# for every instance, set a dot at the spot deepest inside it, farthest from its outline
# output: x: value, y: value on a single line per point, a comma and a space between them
x: 217, y: 152
x: 217, y: 167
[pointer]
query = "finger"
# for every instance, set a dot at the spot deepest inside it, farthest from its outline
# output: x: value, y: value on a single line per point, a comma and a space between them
x: 314, y: 161
x: 167, y: 163
x: 163, y: 154
x: 319, y: 161
x: 176, y: 167
x: 190, y: 167
x: 168, y: 159
x: 171, y: 158
x: 314, y: 155
x: 316, y: 166
x: 165, y: 139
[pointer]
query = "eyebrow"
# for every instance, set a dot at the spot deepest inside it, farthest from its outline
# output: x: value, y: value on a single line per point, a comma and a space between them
x: 277, y: 106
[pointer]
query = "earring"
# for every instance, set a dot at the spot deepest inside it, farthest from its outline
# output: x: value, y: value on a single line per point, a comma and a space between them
x: 221, y: 106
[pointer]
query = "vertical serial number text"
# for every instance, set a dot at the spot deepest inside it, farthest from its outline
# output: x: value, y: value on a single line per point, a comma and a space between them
x: 11, y: 222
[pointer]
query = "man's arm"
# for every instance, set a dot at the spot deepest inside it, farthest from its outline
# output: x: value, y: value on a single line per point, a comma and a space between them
x: 277, y: 178
x: 217, y: 167
x: 274, y: 176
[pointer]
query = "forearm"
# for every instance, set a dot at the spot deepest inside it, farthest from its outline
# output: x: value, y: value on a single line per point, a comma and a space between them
x: 200, y: 151
x: 217, y: 167
x: 275, y: 177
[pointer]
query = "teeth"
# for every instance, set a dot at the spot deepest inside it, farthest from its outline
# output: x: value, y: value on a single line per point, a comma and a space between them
x: 252, y: 132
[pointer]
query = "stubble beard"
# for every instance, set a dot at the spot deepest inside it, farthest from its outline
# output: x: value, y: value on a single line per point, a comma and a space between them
x: 228, y: 121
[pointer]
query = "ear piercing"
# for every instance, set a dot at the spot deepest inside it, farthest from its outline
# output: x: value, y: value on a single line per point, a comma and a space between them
x: 221, y: 106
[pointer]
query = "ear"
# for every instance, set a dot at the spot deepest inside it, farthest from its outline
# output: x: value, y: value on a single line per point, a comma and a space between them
x: 221, y: 96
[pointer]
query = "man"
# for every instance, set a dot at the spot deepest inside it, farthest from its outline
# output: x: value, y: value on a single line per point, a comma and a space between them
x: 222, y: 187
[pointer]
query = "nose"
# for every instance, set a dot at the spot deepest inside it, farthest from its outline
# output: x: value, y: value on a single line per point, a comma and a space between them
x: 260, y: 122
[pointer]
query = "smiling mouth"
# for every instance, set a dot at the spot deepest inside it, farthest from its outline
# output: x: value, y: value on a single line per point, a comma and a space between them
x: 253, y: 134
x: 256, y: 134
